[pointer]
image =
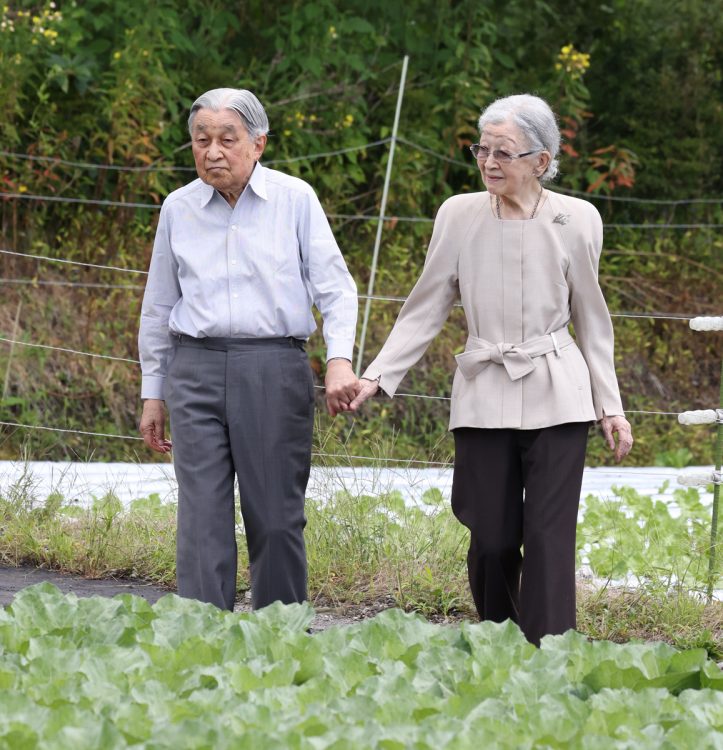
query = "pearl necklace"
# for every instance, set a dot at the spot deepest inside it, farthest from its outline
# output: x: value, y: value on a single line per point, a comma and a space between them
x: 532, y: 215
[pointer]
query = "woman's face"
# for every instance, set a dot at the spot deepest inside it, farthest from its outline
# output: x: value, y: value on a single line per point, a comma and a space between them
x: 510, y: 177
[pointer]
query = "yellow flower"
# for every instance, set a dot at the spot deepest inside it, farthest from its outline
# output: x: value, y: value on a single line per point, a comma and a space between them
x: 287, y: 133
x: 117, y: 55
x: 22, y: 189
x: 574, y: 62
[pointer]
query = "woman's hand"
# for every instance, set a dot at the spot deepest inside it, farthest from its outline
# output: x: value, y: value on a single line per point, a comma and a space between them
x: 368, y: 389
x: 621, y: 426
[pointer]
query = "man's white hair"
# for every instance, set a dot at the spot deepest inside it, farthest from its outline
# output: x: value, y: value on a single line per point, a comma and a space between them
x: 241, y: 101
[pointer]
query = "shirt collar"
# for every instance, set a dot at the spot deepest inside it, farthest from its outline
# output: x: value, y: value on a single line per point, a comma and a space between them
x: 257, y: 183
x: 206, y: 194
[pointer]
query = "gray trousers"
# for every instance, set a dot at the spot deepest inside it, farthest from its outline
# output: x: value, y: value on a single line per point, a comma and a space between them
x: 241, y: 407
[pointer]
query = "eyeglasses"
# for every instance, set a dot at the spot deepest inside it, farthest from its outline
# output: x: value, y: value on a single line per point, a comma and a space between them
x: 482, y: 153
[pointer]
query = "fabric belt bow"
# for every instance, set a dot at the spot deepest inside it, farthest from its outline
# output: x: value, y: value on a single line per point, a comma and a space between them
x: 517, y: 359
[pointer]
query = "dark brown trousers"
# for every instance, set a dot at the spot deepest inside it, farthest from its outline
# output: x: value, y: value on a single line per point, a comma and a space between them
x: 518, y: 489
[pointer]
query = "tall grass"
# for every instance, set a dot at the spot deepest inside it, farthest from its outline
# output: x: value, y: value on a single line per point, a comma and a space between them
x: 363, y: 549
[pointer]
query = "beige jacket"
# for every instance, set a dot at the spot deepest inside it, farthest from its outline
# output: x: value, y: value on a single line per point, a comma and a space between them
x: 521, y: 283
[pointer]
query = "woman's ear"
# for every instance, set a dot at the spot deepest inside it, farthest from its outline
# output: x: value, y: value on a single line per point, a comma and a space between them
x: 543, y: 161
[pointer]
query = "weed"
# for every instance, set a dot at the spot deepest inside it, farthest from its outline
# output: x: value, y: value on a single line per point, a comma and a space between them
x: 368, y: 547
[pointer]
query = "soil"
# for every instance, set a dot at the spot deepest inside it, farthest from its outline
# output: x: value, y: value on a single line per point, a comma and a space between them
x: 14, y: 579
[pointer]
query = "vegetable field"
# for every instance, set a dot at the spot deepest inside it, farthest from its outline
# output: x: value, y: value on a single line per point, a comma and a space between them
x: 116, y: 673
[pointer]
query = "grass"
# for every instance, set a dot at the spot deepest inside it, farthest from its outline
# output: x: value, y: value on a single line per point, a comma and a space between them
x: 681, y: 619
x: 363, y: 550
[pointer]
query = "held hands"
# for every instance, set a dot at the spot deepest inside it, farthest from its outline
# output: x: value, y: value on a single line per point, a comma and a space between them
x: 344, y: 391
x: 341, y: 386
x: 153, y: 424
x: 621, y: 426
x: 368, y: 388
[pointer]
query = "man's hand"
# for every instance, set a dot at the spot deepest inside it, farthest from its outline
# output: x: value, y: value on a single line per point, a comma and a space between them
x: 621, y: 426
x: 368, y: 389
x: 341, y: 385
x: 153, y: 425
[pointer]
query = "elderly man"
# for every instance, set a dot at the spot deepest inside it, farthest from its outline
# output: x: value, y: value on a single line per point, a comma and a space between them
x: 239, y: 257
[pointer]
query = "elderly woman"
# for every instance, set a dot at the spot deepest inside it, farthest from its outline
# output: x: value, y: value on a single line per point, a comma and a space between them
x: 524, y: 262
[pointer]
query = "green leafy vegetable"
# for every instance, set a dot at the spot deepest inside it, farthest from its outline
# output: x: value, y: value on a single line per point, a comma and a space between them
x: 117, y: 673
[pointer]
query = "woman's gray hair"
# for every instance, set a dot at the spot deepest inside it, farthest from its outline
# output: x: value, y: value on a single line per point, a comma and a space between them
x: 534, y: 118
x: 241, y: 101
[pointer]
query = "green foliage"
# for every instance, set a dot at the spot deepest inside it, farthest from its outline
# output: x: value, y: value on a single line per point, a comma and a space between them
x: 654, y: 81
x: 116, y: 673
x: 634, y: 536
x: 371, y: 548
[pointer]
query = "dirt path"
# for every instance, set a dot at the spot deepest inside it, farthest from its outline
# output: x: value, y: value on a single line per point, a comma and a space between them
x: 14, y: 579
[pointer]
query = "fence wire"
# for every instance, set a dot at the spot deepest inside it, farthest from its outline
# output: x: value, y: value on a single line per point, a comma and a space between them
x: 344, y: 217
x: 14, y: 342
x: 317, y: 454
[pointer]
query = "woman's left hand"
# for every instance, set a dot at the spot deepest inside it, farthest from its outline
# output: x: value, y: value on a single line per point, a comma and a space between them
x: 621, y: 426
x: 368, y: 388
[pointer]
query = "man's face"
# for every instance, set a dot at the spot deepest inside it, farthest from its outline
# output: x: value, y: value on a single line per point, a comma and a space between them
x: 224, y: 153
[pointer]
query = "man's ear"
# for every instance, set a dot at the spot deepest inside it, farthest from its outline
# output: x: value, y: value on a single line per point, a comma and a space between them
x: 259, y: 146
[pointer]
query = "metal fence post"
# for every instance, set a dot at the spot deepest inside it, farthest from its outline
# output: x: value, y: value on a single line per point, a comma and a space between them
x: 382, y: 210
x: 709, y: 416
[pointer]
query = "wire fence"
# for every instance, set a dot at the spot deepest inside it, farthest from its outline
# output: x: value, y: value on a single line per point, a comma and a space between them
x: 359, y: 217
x: 72, y: 262
x: 17, y: 342
x: 346, y: 457
x: 56, y: 160
x: 375, y: 297
x: 333, y: 216
x: 76, y: 284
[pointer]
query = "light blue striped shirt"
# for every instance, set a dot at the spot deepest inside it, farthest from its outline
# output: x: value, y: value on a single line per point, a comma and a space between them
x: 251, y: 271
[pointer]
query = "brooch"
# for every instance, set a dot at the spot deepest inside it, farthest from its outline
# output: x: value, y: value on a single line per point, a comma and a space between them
x: 561, y: 219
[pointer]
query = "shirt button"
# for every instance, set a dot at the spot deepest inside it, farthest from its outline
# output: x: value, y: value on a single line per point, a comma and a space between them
x: 233, y: 227
x: 235, y: 296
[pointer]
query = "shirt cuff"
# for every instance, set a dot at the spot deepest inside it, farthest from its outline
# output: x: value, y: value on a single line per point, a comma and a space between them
x: 343, y: 349
x: 152, y: 386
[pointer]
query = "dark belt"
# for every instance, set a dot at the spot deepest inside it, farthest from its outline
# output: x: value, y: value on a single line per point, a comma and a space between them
x: 225, y: 344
